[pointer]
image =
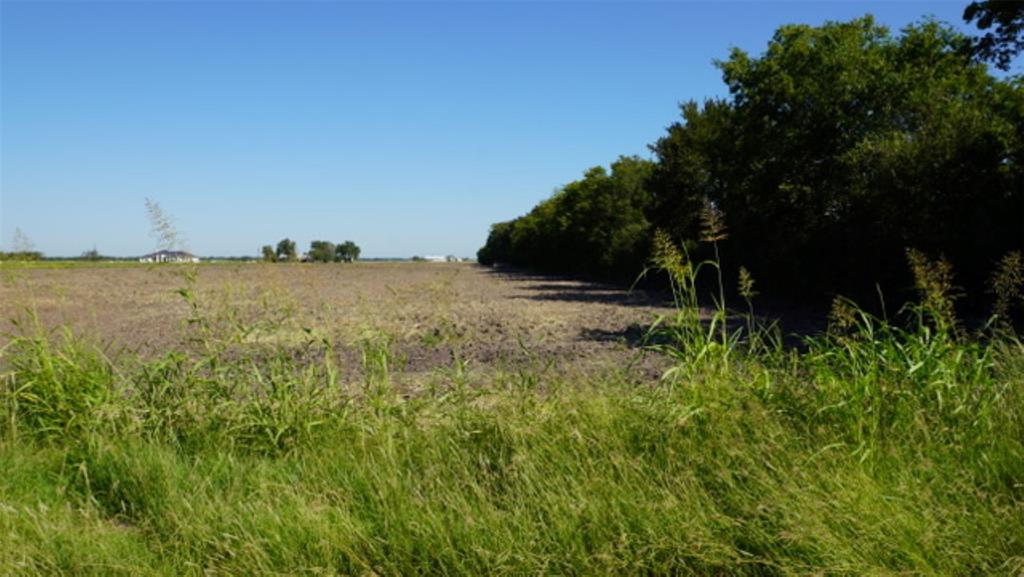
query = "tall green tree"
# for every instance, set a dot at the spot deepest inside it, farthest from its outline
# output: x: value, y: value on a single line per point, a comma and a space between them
x: 498, y: 247
x: 595, y: 226
x: 286, y: 250
x: 268, y: 253
x: 844, y: 144
x: 321, y: 251
x: 347, y: 251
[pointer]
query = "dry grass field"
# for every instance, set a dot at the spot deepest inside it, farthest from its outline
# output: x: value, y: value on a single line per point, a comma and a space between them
x: 433, y: 311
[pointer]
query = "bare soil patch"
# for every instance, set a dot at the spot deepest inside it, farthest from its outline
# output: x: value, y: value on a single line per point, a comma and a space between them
x: 432, y: 313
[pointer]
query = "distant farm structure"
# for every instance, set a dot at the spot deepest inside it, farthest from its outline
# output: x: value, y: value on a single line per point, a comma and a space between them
x: 169, y: 256
x: 438, y: 258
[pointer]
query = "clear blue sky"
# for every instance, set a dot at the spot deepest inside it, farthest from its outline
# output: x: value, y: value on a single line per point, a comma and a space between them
x: 407, y: 127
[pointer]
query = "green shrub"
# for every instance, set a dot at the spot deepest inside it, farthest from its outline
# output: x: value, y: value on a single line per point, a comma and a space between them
x: 58, y: 389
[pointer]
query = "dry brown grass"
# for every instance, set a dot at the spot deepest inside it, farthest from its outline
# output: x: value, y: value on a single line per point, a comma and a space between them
x: 432, y: 311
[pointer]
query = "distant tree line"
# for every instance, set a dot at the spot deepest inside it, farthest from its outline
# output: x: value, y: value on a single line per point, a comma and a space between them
x: 21, y: 255
x: 22, y: 248
x: 838, y: 148
x: 319, y: 251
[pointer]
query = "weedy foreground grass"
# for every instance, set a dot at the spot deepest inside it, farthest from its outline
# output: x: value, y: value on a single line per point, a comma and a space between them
x: 877, y: 450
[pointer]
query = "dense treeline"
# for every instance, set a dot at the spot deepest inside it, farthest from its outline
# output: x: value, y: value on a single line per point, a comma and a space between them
x: 21, y: 255
x: 593, y: 225
x: 839, y: 147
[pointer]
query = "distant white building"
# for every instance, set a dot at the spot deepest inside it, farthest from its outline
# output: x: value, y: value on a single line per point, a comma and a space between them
x: 169, y: 256
x: 438, y: 258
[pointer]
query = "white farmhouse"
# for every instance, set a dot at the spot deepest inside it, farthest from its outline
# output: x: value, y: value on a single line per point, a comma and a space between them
x: 169, y: 256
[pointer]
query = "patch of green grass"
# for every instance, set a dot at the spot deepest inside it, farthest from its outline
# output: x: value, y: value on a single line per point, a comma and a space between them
x: 878, y: 450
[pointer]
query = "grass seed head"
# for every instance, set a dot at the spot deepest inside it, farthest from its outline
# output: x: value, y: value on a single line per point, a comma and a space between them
x: 1008, y: 284
x: 712, y: 223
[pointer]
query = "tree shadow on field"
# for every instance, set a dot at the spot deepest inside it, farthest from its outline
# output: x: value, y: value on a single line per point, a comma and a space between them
x: 796, y: 319
x: 635, y: 335
x: 563, y: 288
x: 639, y: 336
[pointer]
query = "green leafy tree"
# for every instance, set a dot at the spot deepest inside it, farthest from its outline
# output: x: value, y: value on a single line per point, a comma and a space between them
x: 842, y: 145
x: 595, y: 226
x: 1004, y: 22
x: 269, y: 255
x: 347, y: 251
x: 498, y: 248
x: 321, y: 251
x: 286, y: 250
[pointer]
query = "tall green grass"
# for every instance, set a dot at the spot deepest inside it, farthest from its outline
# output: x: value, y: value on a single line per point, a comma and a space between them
x: 879, y: 449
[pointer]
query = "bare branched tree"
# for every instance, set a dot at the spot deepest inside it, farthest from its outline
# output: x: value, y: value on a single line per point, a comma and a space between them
x: 20, y: 242
x: 162, y: 227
